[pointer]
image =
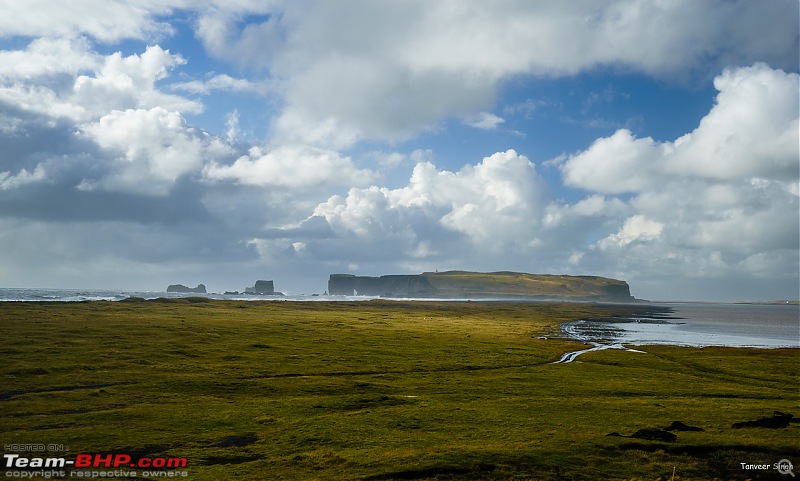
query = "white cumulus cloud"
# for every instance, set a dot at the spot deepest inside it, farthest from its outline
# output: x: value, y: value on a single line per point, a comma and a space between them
x: 150, y: 149
x: 636, y: 228
x: 8, y: 181
x: 484, y: 121
x: 289, y: 166
x: 65, y: 80
x: 494, y: 205
x: 718, y: 201
x: 106, y: 20
x: 222, y: 82
x: 750, y: 132
x: 428, y: 61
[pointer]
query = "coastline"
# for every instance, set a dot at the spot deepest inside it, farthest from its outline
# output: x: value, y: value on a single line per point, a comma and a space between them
x: 696, y: 324
x: 83, y: 295
x: 646, y: 323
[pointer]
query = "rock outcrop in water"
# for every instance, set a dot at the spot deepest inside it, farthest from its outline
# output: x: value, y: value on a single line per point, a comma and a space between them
x: 264, y: 288
x: 479, y: 285
x: 200, y: 289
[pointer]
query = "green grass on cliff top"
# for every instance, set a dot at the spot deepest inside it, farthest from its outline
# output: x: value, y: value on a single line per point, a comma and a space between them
x: 382, y: 390
x: 521, y: 284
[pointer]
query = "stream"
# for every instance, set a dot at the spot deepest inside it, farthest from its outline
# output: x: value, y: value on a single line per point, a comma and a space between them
x: 570, y: 356
x: 691, y: 324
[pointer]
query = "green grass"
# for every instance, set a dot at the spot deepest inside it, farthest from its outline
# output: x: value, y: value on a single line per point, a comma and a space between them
x: 464, y: 284
x: 382, y: 390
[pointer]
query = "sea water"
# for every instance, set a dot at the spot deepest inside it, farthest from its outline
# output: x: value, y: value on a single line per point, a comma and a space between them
x: 78, y: 295
x: 700, y: 324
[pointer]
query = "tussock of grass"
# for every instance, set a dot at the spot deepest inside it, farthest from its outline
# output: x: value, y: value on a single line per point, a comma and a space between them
x: 382, y: 390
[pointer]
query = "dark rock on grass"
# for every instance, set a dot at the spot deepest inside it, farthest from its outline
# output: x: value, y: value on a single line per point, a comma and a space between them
x: 777, y: 421
x: 212, y: 460
x: 238, y: 441
x: 654, y: 434
x: 650, y: 434
x: 791, y: 417
x: 679, y: 426
x: 477, y: 471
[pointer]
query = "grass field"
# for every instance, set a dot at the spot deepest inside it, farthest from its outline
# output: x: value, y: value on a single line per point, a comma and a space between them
x: 383, y: 390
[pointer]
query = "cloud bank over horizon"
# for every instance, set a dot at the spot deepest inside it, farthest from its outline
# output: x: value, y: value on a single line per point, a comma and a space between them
x: 144, y: 143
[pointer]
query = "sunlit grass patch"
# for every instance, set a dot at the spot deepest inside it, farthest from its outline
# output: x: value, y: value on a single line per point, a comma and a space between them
x: 382, y: 390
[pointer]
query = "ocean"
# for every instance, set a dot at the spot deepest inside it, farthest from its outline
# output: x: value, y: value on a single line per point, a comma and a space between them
x: 699, y: 324
x: 79, y: 295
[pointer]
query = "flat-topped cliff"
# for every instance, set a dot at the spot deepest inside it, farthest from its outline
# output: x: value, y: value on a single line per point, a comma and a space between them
x: 478, y: 285
x: 392, y: 286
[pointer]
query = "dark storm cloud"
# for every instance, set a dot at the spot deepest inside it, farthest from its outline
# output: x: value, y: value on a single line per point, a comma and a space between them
x: 64, y: 203
x: 27, y: 139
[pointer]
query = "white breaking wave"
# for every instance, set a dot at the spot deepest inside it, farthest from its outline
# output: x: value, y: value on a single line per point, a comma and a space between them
x: 82, y: 295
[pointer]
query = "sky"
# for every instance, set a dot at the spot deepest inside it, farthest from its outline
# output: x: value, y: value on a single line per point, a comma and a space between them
x: 152, y: 142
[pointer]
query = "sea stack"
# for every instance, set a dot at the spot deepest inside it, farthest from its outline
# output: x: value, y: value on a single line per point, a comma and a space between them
x: 200, y: 289
x: 262, y: 288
